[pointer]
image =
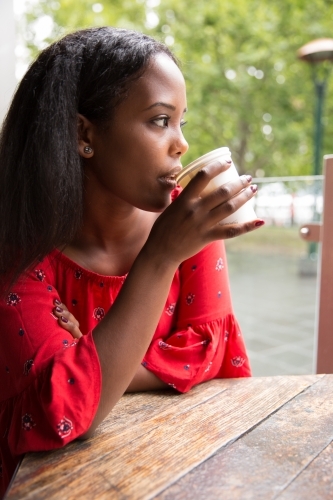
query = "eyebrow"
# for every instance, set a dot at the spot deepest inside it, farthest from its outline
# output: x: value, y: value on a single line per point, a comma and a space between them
x: 164, y: 105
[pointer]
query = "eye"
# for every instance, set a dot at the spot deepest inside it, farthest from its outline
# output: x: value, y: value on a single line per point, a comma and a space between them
x: 183, y: 123
x: 162, y: 121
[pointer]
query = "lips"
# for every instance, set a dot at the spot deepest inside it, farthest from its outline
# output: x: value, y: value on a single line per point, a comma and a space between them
x: 172, y: 174
x: 169, y: 180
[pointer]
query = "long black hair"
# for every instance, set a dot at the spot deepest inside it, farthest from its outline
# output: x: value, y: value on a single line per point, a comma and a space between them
x: 41, y: 172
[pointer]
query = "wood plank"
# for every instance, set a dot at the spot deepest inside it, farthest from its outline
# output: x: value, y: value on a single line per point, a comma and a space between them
x: 315, y: 482
x: 325, y: 334
x: 139, y: 464
x: 134, y: 415
x: 277, y: 459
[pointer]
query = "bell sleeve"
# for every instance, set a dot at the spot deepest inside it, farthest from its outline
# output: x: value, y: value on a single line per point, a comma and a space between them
x: 205, y: 341
x: 52, y: 382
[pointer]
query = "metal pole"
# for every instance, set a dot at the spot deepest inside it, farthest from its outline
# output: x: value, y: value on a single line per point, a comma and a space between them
x: 320, y: 88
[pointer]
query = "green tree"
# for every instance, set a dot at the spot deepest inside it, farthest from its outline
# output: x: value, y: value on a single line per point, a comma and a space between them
x: 246, y: 88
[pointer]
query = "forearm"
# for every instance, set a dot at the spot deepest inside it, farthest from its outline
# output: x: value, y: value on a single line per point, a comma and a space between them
x: 123, y: 337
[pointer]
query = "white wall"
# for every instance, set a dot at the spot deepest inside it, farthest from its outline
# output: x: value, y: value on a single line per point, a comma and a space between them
x: 7, y: 55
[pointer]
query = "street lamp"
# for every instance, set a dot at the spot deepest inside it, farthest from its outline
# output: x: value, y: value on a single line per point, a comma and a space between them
x: 317, y: 52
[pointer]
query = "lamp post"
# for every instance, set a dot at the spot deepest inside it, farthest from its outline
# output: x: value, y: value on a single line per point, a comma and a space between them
x: 317, y: 52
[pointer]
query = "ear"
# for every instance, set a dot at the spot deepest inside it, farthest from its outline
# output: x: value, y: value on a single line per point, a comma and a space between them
x: 85, y: 136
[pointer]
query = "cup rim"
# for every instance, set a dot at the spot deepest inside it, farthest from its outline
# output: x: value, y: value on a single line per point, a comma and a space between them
x: 202, y: 161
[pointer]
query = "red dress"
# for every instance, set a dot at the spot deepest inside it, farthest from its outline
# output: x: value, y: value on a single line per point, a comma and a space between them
x: 50, y: 383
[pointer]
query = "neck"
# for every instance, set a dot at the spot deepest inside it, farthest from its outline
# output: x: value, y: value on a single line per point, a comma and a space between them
x: 112, y: 235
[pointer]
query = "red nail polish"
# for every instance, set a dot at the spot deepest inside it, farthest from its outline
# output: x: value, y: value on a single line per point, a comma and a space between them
x: 249, y: 178
x: 63, y: 319
x: 254, y: 188
x: 59, y: 309
x: 57, y: 302
x: 259, y: 223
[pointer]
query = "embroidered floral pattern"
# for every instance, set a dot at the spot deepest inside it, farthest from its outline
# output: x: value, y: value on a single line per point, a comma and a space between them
x: 98, y: 313
x: 190, y: 298
x: 238, y: 361
x: 170, y: 309
x: 208, y: 367
x: 78, y: 274
x: 186, y: 367
x: 65, y: 427
x: 21, y: 332
x: 226, y: 335
x: 40, y: 274
x: 66, y: 343
x: 27, y: 366
x: 219, y: 294
x: 27, y: 422
x: 219, y: 264
x: 13, y: 299
x: 164, y: 345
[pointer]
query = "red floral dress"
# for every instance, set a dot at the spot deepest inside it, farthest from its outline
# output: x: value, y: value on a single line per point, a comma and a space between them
x: 51, y: 383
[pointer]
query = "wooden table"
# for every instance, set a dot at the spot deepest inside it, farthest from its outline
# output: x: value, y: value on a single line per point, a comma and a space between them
x: 259, y: 438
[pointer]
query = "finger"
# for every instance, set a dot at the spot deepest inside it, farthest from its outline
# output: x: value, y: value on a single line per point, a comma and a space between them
x: 205, y: 175
x: 70, y: 327
x: 228, y: 207
x: 67, y: 321
x: 227, y: 191
x: 228, y: 231
x: 61, y: 310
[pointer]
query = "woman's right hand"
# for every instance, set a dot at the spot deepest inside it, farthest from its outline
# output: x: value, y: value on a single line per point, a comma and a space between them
x: 192, y: 221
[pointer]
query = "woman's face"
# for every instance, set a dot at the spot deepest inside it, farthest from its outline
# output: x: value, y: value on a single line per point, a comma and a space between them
x: 137, y: 158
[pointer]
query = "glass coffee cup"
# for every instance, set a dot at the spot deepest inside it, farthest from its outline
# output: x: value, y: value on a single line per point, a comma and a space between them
x: 246, y: 212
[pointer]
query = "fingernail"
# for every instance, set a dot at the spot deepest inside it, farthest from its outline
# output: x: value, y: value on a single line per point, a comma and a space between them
x: 249, y: 178
x: 63, y: 319
x: 259, y: 223
x: 228, y: 161
x: 59, y: 309
x: 56, y: 301
x: 254, y: 188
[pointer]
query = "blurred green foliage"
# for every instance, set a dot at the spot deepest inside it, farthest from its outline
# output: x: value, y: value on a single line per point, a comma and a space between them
x: 246, y: 87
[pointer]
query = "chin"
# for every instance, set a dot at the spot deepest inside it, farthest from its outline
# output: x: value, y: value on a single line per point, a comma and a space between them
x: 157, y: 205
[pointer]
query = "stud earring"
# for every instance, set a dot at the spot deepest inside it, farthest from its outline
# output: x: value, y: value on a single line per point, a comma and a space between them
x: 88, y: 150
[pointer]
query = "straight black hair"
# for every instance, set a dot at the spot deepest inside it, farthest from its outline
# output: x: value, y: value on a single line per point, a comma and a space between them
x: 41, y: 172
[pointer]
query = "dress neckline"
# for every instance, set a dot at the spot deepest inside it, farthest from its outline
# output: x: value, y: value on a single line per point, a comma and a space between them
x: 59, y: 256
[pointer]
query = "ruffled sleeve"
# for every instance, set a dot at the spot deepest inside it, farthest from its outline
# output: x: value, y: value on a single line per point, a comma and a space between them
x: 53, y: 382
x: 205, y: 341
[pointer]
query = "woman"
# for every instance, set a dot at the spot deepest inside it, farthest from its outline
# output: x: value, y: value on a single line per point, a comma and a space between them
x: 89, y: 154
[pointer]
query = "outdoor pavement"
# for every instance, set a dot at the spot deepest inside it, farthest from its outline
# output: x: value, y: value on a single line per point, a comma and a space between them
x: 275, y: 307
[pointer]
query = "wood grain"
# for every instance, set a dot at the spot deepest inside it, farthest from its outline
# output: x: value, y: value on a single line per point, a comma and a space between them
x: 315, y: 482
x: 286, y: 457
x: 151, y: 440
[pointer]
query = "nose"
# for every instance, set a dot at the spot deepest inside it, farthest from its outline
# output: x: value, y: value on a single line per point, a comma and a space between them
x: 180, y: 144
